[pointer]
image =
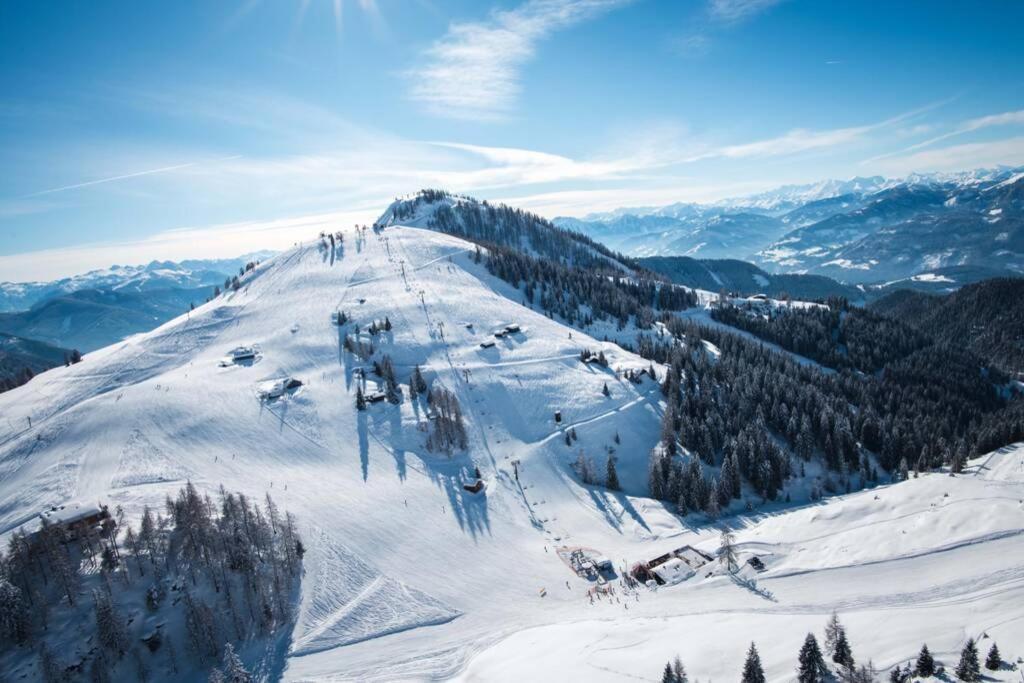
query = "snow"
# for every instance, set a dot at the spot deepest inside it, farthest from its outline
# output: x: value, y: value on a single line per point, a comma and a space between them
x: 410, y: 577
x: 902, y: 564
x: 847, y: 264
x: 930, y: 277
x: 674, y: 571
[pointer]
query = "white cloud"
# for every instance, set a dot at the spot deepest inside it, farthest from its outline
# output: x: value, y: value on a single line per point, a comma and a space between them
x: 1009, y: 151
x: 804, y: 140
x: 738, y: 10
x: 1010, y: 118
x: 473, y: 72
x: 216, y: 241
x: 126, y: 176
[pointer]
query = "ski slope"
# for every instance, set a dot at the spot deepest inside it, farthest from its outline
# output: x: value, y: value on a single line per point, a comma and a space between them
x: 409, y: 576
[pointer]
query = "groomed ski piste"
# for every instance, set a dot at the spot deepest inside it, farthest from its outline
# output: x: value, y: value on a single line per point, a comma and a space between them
x: 409, y: 576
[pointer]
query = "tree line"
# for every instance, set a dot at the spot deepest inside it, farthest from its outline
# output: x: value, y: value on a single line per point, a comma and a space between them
x: 833, y: 660
x: 216, y: 572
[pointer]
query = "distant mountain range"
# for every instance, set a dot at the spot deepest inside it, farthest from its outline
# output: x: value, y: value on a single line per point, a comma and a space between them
x: 101, y: 307
x: 871, y: 231
x: 189, y: 274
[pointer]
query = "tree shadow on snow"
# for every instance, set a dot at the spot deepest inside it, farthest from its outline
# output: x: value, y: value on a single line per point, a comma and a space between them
x: 364, y: 443
x: 395, y: 425
x: 599, y: 502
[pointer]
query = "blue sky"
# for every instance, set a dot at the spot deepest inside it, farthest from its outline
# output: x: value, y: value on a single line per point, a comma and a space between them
x: 131, y: 131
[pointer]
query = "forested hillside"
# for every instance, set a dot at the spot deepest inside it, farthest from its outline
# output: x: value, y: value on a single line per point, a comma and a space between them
x: 21, y: 359
x: 986, y: 318
x: 745, y: 278
x: 885, y: 398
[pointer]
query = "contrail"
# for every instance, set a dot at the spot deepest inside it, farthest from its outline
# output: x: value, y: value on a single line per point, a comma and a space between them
x: 151, y: 171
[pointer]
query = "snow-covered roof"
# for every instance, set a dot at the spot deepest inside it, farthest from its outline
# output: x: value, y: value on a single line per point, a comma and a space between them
x: 673, y: 571
x: 69, y: 514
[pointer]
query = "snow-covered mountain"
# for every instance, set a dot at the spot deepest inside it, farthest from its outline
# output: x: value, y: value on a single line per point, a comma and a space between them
x: 704, y: 233
x: 913, y: 229
x: 89, y: 319
x: 189, y: 274
x: 861, y: 231
x: 411, y: 576
x: 790, y: 197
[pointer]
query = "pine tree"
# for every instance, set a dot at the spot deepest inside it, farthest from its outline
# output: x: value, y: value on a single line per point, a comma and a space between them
x: 51, y: 669
x: 14, y: 615
x: 727, y: 551
x: 812, y: 667
x: 994, y: 661
x: 904, y: 471
x: 605, y: 391
x: 360, y: 399
x: 611, y: 476
x: 753, y: 672
x: 668, y: 676
x: 679, y: 671
x: 234, y: 671
x: 110, y: 628
x: 968, y: 668
x: 843, y: 654
x: 832, y: 629
x: 925, y: 663
x: 417, y: 384
x: 668, y: 432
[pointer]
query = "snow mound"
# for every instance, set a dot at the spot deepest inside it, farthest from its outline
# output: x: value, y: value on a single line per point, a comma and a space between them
x: 350, y: 602
x: 142, y: 462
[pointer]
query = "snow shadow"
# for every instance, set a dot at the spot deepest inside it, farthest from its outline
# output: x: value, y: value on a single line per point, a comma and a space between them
x: 364, y: 442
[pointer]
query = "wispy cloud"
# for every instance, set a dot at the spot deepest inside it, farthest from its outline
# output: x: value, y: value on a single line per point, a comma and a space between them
x: 738, y: 10
x: 126, y: 176
x: 473, y: 72
x: 1009, y: 118
x: 804, y: 140
x: 1008, y: 152
x: 716, y: 16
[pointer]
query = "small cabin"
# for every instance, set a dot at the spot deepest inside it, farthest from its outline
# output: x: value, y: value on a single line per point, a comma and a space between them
x: 558, y: 416
x: 512, y: 329
x: 487, y: 344
x: 375, y: 397
x: 760, y: 297
x: 756, y: 563
x: 603, y: 563
x: 242, y: 353
x: 673, y: 571
x: 74, y: 520
x: 278, y: 388
x: 475, y: 487
x: 500, y: 334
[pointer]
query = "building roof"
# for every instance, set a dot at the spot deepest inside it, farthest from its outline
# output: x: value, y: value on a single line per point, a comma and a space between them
x: 70, y: 513
x: 674, y: 571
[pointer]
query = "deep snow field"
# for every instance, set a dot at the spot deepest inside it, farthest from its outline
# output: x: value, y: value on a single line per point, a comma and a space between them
x: 408, y: 576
